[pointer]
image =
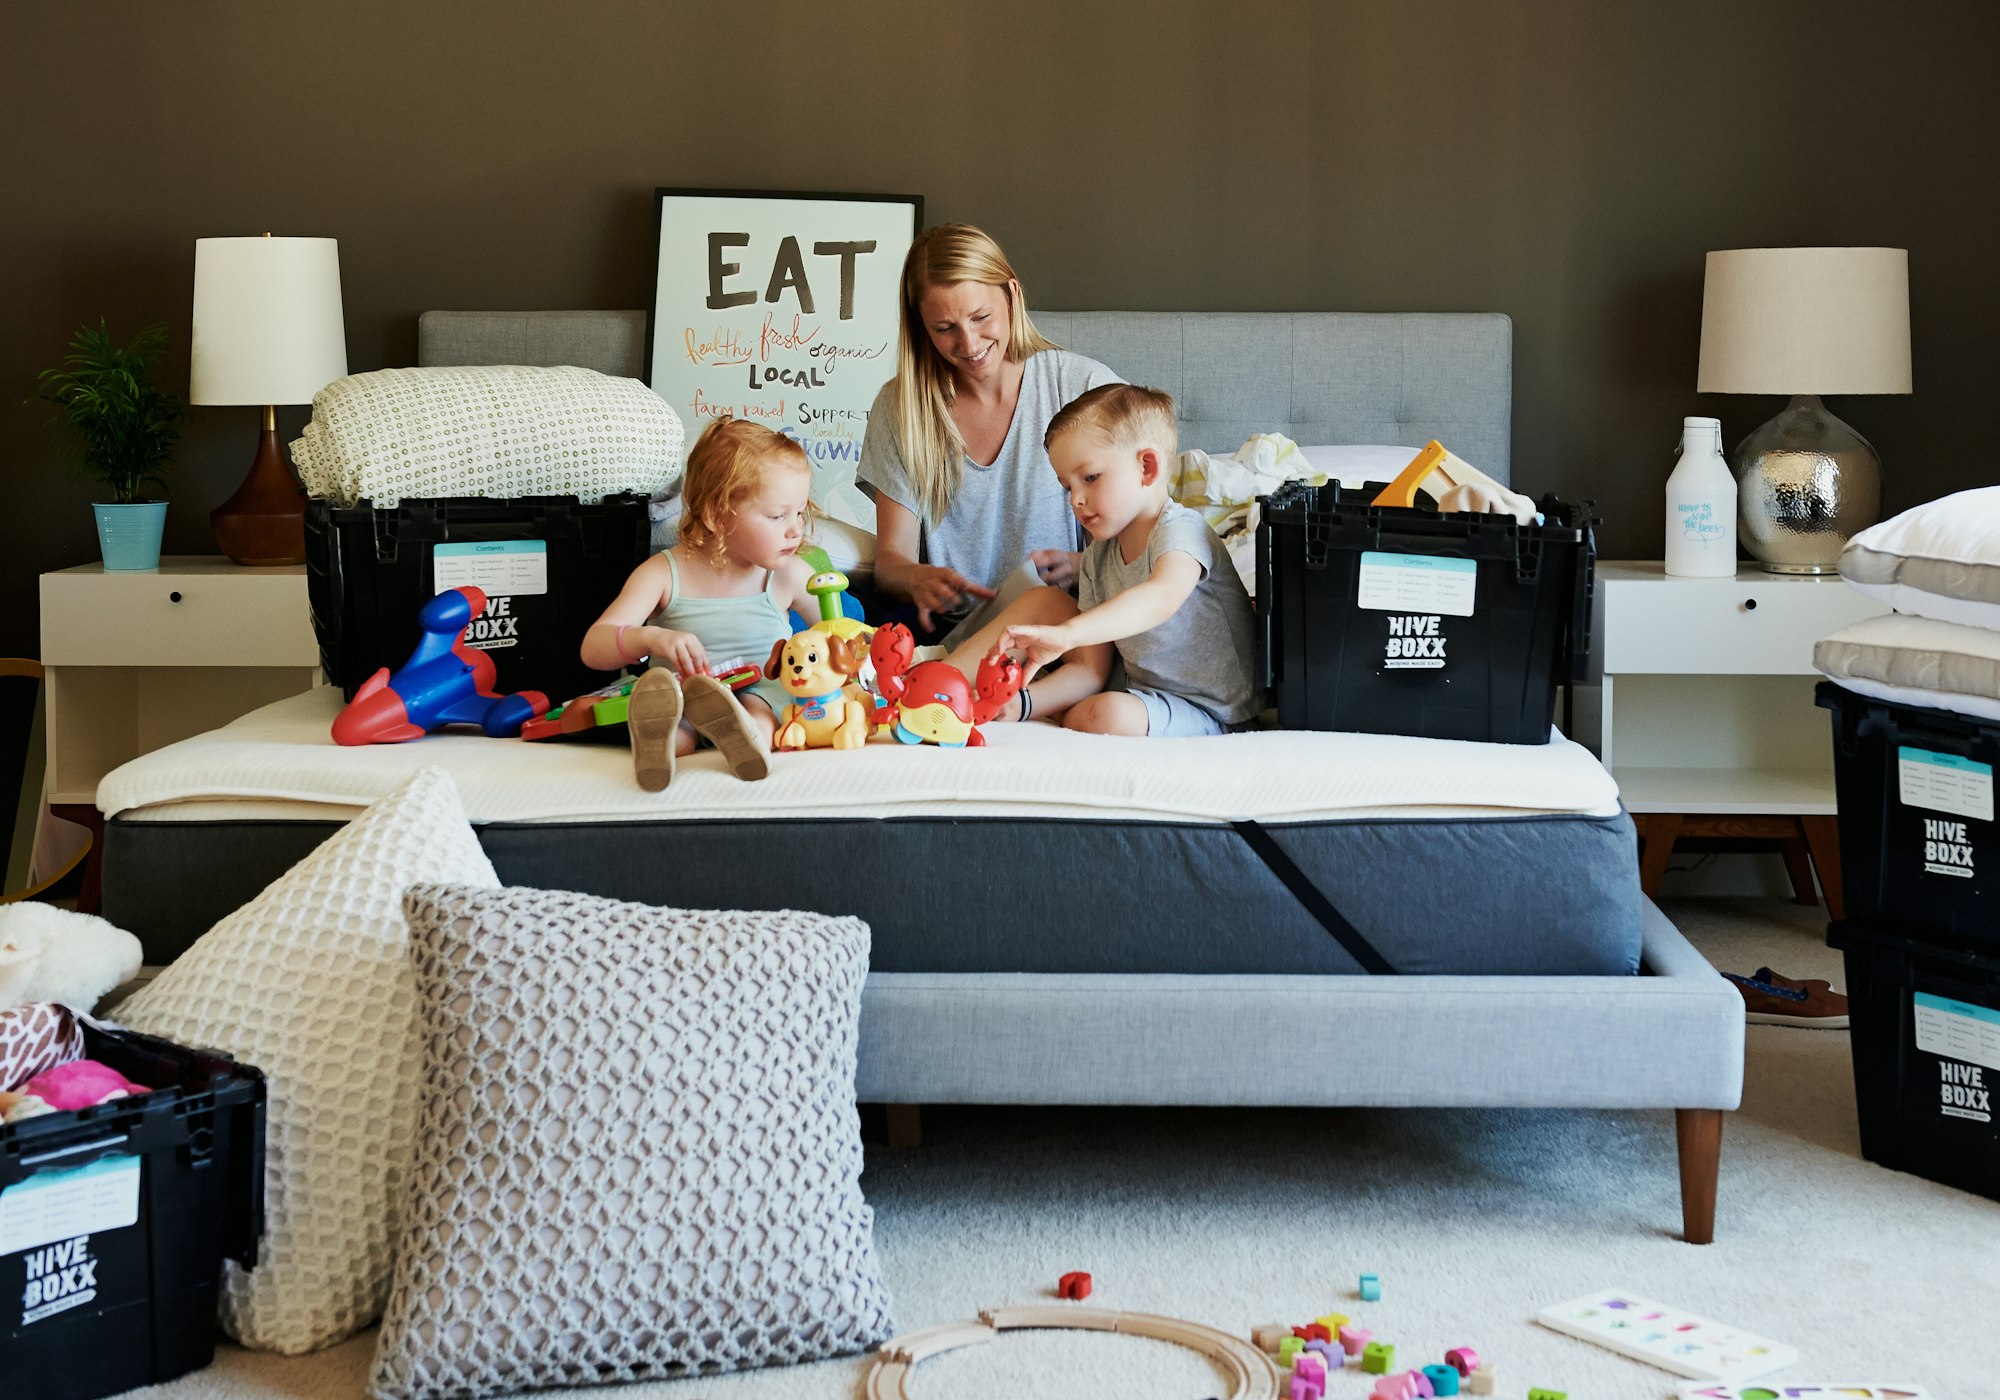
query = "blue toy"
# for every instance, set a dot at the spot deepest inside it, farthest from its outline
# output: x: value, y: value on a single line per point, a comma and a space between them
x: 443, y: 682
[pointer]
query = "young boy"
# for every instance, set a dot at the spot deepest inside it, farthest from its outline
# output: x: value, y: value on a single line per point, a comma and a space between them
x: 1154, y: 580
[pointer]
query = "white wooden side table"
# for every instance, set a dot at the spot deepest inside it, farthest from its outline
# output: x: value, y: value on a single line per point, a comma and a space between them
x: 139, y: 659
x: 1709, y: 724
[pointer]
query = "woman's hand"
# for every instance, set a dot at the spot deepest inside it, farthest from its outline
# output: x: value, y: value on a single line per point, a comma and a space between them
x: 1038, y: 646
x: 934, y: 588
x: 680, y: 650
x: 1056, y: 567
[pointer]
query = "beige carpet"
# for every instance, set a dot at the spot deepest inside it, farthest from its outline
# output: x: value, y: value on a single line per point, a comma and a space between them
x: 1473, y: 1220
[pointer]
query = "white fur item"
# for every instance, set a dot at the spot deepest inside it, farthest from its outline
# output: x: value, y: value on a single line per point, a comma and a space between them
x: 51, y: 954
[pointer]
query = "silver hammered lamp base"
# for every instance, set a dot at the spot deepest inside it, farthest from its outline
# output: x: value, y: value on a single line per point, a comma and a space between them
x: 1806, y: 483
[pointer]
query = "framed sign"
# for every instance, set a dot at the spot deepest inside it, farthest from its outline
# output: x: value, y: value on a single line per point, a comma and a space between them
x: 781, y: 308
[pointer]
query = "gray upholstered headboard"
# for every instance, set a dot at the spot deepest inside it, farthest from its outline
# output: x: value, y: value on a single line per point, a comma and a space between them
x: 1318, y: 377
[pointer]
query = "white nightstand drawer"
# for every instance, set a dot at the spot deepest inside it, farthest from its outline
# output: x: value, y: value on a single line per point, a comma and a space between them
x: 193, y: 612
x: 1753, y: 624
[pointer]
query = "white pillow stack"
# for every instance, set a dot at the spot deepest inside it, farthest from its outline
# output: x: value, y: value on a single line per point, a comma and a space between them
x: 1938, y: 566
x: 487, y: 430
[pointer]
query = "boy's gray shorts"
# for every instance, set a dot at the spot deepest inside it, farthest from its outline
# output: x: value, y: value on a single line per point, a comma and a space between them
x: 1170, y: 717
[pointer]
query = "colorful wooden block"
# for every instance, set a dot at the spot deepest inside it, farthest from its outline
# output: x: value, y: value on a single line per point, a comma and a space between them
x: 1269, y: 1335
x: 1371, y: 1288
x: 1353, y: 1339
x: 1288, y: 1348
x: 1378, y: 1357
x: 1444, y: 1379
x: 1313, y: 1332
x: 1310, y: 1366
x: 1536, y: 1392
x: 1422, y: 1384
x: 1396, y: 1387
x: 1305, y: 1389
x: 1332, y: 1322
x: 1328, y: 1352
x: 1480, y: 1382
x: 1462, y: 1359
x: 1073, y: 1285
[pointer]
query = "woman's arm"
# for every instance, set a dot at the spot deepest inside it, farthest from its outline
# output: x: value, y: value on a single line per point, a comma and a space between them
x: 649, y: 589
x: 898, y: 539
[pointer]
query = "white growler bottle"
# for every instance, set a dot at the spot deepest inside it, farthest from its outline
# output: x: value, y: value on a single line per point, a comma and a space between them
x: 1701, y: 505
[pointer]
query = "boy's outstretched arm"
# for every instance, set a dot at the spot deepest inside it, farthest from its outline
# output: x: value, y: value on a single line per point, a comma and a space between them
x: 1138, y: 609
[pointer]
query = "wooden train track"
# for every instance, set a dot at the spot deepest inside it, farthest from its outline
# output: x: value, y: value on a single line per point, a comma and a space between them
x: 1254, y: 1376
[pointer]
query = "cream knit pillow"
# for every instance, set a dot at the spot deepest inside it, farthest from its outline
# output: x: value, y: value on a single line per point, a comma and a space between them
x: 310, y: 982
x: 487, y: 430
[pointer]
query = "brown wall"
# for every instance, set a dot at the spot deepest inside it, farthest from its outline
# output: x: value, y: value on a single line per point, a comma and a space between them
x: 1567, y: 162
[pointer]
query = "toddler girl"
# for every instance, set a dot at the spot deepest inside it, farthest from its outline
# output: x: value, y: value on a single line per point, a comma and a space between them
x: 718, y: 596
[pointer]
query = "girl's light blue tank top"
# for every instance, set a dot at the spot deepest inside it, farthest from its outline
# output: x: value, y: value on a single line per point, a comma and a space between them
x: 731, y: 628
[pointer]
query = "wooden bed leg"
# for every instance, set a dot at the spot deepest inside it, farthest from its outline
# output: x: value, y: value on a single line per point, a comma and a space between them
x: 906, y: 1124
x: 1699, y: 1132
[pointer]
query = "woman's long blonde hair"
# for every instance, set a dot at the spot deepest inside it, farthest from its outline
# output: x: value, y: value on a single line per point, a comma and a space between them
x: 933, y: 450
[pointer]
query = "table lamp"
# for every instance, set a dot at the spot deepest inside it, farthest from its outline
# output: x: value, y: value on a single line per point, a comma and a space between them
x: 267, y: 330
x: 1805, y: 322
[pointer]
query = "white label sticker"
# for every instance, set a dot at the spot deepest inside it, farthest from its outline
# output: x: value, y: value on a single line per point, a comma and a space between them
x: 1944, y: 782
x: 52, y: 1206
x: 1958, y: 1029
x: 1416, y: 583
x: 497, y: 568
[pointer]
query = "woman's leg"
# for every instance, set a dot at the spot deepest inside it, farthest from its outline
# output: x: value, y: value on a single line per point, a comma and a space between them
x: 1082, y: 671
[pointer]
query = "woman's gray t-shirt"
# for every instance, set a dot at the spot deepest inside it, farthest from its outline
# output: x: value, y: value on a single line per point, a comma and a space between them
x: 1003, y: 512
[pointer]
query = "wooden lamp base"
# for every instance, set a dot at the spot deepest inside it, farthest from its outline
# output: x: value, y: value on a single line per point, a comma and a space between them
x: 264, y: 523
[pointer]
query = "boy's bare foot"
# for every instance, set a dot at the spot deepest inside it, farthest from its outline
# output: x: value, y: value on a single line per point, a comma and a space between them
x: 719, y: 717
x: 653, y: 715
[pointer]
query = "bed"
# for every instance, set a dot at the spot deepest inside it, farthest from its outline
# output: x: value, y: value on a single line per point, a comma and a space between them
x: 1430, y: 923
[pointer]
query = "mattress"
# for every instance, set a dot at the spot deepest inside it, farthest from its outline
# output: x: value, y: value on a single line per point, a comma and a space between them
x: 1044, y: 852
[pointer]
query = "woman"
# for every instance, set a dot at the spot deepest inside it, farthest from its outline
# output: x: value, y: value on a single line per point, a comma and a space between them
x: 969, y: 514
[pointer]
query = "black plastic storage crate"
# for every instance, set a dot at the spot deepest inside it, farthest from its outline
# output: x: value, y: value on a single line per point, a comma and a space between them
x: 1919, y: 846
x: 161, y: 1188
x: 1925, y: 1028
x: 369, y: 569
x: 1397, y: 620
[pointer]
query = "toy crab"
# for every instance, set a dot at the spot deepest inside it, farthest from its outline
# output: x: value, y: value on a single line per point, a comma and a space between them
x: 932, y: 702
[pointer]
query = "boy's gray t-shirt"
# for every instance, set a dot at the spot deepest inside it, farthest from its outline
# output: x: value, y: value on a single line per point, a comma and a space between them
x: 1207, y: 651
x: 1005, y: 511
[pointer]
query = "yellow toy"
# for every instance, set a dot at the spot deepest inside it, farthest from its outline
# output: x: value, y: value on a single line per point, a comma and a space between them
x: 1456, y: 485
x: 828, y: 585
x: 828, y: 709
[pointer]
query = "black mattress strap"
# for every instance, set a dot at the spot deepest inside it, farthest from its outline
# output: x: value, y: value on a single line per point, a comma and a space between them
x: 1316, y: 904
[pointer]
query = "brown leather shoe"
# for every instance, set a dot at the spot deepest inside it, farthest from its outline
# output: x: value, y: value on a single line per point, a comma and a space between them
x: 1771, y: 1000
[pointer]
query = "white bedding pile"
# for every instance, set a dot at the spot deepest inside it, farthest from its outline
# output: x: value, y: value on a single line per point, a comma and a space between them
x: 279, y: 762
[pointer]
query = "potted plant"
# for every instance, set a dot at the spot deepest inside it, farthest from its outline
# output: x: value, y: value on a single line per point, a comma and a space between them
x: 125, y: 428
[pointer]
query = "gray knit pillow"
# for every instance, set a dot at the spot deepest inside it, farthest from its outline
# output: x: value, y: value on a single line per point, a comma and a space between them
x: 638, y: 1152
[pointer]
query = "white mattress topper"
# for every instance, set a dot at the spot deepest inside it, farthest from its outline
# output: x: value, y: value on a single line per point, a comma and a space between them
x: 280, y: 761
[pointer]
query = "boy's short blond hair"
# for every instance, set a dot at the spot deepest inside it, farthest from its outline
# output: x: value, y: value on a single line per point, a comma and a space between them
x: 1126, y: 414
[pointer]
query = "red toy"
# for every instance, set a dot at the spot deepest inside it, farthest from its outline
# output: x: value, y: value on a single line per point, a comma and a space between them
x: 1072, y: 1285
x: 443, y: 682
x: 931, y: 702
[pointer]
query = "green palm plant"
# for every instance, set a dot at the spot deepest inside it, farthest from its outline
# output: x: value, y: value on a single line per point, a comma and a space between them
x: 124, y: 425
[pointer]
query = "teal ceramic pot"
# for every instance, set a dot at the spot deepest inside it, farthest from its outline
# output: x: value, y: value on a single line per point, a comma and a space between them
x: 130, y: 534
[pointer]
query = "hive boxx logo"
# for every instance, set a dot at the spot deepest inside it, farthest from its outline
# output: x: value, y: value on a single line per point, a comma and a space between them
x: 1416, y: 642
x: 59, y: 1277
x: 1947, y: 849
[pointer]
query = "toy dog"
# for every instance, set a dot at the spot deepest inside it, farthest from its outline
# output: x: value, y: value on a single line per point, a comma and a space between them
x: 443, y: 682
x: 931, y: 702
x: 828, y: 709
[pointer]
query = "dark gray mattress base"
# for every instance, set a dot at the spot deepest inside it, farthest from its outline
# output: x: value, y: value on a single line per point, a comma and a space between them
x: 1509, y: 896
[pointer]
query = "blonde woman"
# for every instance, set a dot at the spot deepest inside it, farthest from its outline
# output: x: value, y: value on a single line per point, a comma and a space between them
x: 969, y: 514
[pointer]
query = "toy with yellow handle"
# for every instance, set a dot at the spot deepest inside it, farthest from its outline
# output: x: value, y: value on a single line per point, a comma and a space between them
x: 1456, y: 485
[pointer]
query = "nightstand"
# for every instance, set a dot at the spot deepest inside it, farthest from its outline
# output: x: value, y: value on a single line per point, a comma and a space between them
x: 1709, y: 725
x: 137, y: 660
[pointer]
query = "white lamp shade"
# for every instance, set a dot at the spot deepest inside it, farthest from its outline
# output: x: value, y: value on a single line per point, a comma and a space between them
x: 267, y: 325
x: 1806, y: 321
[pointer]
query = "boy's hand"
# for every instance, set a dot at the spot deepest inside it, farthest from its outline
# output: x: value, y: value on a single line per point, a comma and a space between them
x: 1038, y: 647
x: 680, y: 650
x: 936, y: 588
x: 1055, y: 567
